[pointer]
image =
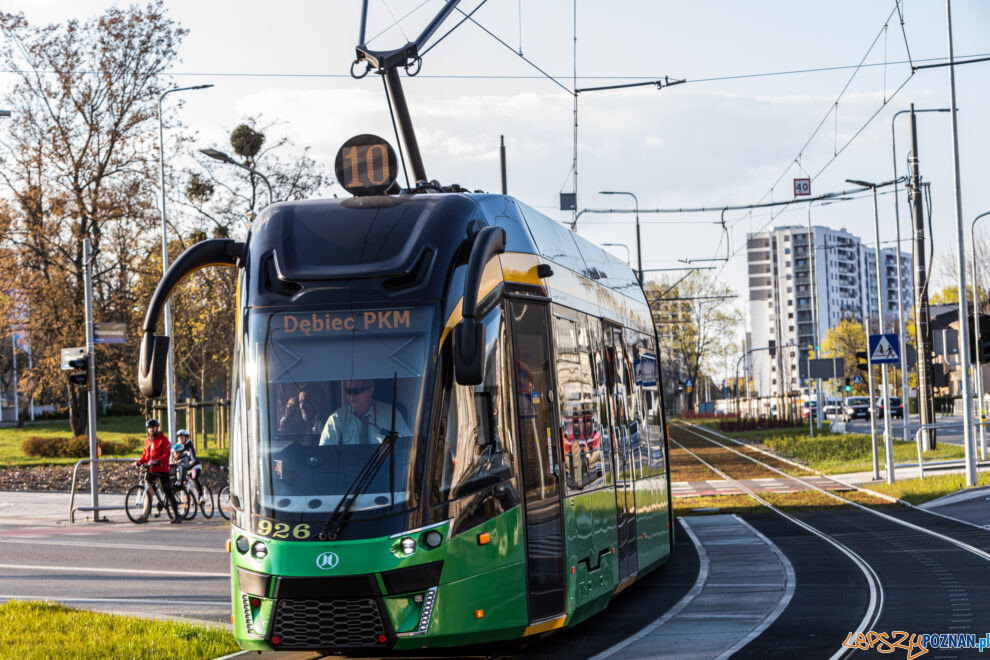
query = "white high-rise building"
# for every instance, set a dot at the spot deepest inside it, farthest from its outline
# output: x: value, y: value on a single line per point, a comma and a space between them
x: 794, y: 284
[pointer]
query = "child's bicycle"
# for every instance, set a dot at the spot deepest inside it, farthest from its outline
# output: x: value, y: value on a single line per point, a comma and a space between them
x: 188, y: 490
x: 223, y: 497
x: 146, y: 499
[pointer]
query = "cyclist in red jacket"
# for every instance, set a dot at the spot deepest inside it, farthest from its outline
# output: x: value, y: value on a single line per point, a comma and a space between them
x: 157, y: 451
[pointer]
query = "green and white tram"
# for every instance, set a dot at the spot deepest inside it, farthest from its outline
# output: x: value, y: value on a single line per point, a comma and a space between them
x: 447, y: 423
x: 388, y: 492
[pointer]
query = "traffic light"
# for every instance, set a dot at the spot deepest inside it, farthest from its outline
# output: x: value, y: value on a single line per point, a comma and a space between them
x: 80, y: 371
x: 863, y: 365
x: 772, y: 347
x: 680, y: 386
x: 848, y: 387
x: 980, y: 353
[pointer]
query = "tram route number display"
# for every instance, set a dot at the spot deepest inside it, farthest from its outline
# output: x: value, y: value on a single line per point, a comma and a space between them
x: 366, y: 165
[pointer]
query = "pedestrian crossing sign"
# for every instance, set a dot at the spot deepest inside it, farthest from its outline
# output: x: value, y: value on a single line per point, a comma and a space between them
x: 885, y: 349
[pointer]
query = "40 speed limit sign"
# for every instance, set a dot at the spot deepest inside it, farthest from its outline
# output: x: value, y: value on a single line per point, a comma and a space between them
x: 802, y: 187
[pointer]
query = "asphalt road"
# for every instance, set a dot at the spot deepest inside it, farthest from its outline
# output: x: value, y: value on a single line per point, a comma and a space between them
x: 952, y: 434
x: 155, y: 569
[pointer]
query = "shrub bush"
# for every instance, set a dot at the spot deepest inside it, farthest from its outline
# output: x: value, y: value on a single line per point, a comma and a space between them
x: 58, y: 447
x: 125, y: 446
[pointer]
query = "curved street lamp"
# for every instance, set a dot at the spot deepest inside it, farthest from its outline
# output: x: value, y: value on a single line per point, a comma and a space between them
x: 224, y: 158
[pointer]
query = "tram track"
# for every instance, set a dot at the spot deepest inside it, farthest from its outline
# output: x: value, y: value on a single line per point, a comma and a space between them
x: 941, y: 554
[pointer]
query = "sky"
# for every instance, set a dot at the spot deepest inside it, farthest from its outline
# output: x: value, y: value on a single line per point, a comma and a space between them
x: 719, y: 139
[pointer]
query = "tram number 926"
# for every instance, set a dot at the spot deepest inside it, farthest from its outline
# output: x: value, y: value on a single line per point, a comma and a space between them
x: 366, y: 165
x: 282, y: 530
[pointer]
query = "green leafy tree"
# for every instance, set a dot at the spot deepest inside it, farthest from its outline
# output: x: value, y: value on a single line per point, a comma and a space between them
x: 696, y: 328
x: 81, y: 162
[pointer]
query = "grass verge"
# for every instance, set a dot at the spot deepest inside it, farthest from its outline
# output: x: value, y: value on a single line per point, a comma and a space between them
x: 918, y: 491
x: 48, y: 630
x: 114, y: 428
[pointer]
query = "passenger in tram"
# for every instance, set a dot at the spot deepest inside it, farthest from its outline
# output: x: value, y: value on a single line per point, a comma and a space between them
x: 291, y: 420
x: 311, y: 402
x: 363, y: 419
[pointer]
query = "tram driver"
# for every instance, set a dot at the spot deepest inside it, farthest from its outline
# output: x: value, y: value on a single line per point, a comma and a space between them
x: 363, y: 419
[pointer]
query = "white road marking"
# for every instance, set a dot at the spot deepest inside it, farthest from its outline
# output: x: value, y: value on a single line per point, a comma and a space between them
x: 99, y: 569
x: 130, y: 601
x: 122, y: 546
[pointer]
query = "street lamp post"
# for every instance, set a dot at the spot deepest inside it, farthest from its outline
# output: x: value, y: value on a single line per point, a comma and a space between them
x: 888, y: 441
x: 224, y: 158
x: 169, y: 372
x: 639, y: 247
x: 621, y: 245
x: 976, y: 330
x: 961, y: 256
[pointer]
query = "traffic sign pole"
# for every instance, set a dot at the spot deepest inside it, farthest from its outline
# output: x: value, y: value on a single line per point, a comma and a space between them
x: 91, y: 425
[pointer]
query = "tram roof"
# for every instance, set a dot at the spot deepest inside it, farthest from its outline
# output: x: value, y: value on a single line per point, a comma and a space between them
x: 527, y: 231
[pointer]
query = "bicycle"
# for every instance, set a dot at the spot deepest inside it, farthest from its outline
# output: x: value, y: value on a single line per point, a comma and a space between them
x: 204, y: 504
x: 223, y: 497
x: 142, y: 498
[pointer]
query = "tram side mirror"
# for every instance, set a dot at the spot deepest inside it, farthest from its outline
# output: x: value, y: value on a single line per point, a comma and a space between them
x: 469, y: 352
x: 151, y: 368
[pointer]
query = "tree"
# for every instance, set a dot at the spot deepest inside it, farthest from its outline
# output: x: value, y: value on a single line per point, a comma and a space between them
x: 695, y: 327
x: 844, y: 341
x: 218, y: 201
x: 81, y: 163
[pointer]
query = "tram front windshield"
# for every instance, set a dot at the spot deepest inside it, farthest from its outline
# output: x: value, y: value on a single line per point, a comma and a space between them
x: 332, y: 386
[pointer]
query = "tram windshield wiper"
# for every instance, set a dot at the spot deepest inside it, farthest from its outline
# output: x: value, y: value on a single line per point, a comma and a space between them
x: 338, y: 518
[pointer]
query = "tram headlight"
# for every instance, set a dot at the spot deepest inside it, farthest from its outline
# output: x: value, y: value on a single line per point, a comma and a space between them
x: 259, y: 550
x: 407, y: 545
x: 432, y: 539
x: 243, y: 544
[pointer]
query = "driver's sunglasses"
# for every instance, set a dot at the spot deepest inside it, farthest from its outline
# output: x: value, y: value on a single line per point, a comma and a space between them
x: 354, y: 391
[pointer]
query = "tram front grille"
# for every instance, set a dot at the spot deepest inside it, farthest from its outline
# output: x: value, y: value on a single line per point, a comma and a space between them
x: 324, y: 624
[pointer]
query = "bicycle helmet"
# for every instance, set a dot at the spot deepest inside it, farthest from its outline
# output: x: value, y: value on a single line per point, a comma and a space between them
x: 182, y: 432
x: 177, y: 447
x: 151, y: 422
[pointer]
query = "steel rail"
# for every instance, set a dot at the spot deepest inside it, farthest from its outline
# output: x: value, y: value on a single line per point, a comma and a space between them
x: 874, y: 607
x: 943, y: 537
x: 868, y: 491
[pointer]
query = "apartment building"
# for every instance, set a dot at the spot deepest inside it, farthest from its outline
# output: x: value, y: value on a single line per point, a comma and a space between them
x: 798, y: 279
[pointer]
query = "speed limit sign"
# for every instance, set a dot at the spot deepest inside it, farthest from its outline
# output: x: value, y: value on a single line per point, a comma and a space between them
x: 802, y: 187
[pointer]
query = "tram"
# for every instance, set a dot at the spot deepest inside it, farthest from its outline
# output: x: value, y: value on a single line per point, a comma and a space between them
x: 447, y: 424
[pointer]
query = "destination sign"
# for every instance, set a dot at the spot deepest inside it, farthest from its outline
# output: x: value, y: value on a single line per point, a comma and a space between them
x: 376, y: 320
x: 366, y: 165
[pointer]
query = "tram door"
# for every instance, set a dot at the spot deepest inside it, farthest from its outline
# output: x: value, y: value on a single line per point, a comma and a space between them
x: 618, y: 380
x: 540, y: 451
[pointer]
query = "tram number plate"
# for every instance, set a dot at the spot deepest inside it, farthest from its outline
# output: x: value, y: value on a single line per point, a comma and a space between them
x: 275, y: 529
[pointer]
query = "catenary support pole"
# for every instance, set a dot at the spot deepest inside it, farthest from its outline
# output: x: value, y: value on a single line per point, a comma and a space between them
x: 967, y: 400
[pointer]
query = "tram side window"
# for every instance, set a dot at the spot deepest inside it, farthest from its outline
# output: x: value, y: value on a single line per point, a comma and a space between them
x: 639, y: 429
x: 650, y: 376
x: 580, y: 427
x: 477, y: 447
x: 600, y: 421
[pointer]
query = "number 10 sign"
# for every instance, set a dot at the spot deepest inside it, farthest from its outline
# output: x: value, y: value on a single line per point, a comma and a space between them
x: 802, y: 187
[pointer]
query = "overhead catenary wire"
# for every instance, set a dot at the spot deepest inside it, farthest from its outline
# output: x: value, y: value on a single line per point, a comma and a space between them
x: 468, y: 76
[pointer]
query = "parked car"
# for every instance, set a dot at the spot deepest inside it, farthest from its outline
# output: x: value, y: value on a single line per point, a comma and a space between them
x: 856, y: 407
x: 832, y: 410
x: 807, y: 408
x: 896, y: 408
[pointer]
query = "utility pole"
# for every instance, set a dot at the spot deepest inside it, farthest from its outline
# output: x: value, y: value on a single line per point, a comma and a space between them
x: 926, y: 374
x: 501, y: 157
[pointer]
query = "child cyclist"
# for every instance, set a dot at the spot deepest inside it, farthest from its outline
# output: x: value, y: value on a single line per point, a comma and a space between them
x: 185, y: 455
